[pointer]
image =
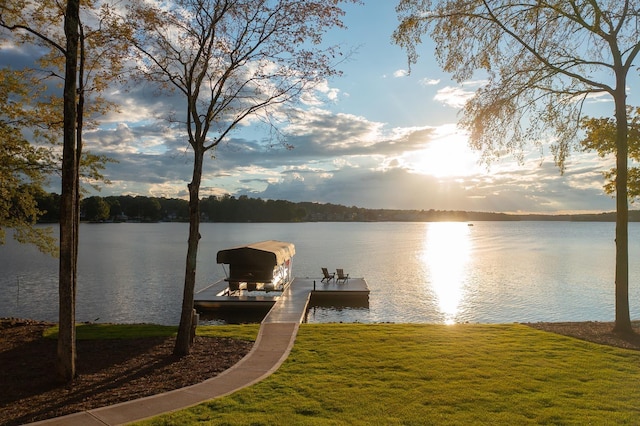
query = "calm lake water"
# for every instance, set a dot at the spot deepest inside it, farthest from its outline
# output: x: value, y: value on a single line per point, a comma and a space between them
x: 490, y: 272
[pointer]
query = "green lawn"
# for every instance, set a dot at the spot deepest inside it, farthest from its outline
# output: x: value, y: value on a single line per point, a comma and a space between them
x: 433, y: 374
x: 89, y: 331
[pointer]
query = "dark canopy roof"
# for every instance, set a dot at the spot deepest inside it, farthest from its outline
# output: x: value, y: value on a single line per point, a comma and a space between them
x: 265, y: 253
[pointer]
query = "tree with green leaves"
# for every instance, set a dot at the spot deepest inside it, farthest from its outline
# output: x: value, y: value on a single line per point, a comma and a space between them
x: 230, y: 60
x: 21, y: 18
x: 24, y: 167
x: 542, y: 60
x: 79, y: 52
x: 601, y: 137
x: 95, y: 209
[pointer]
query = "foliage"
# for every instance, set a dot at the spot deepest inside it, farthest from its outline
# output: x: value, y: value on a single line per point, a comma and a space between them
x: 37, y: 23
x: 542, y: 60
x: 49, y: 204
x: 146, y: 209
x: 231, y: 60
x: 416, y: 374
x: 228, y: 208
x: 95, y: 209
x: 601, y: 137
x: 77, y: 53
x: 245, y: 209
x: 24, y: 166
x: 32, y: 112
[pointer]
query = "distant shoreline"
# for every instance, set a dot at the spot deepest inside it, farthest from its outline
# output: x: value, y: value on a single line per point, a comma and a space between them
x: 228, y: 209
x: 469, y: 217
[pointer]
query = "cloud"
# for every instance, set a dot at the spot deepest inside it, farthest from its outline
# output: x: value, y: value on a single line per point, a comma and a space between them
x: 400, y: 73
x: 355, y: 142
x: 345, y: 159
x: 399, y: 189
x: 321, y: 93
x: 454, y: 97
x: 530, y: 187
x: 429, y: 82
x: 602, y: 97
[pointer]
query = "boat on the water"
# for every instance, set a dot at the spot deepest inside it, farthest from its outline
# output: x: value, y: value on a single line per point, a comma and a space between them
x: 263, y: 266
x: 260, y: 278
x: 256, y: 276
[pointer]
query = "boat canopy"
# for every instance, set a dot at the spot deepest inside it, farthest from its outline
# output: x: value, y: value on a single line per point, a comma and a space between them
x: 256, y: 262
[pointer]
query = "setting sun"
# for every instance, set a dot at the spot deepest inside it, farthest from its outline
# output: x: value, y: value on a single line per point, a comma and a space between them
x: 448, y: 156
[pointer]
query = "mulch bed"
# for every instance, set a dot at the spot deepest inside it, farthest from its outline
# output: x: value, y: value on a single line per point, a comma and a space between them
x: 113, y: 371
x: 109, y: 371
x: 594, y: 331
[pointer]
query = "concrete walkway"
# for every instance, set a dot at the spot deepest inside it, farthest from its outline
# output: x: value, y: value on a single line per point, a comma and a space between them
x: 275, y: 339
x: 272, y: 346
x: 274, y: 342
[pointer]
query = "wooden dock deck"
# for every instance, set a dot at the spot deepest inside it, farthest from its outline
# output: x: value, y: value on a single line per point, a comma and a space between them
x: 291, y: 304
x: 208, y: 298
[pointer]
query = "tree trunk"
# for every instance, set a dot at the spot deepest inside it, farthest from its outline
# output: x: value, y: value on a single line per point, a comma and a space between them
x: 78, y: 154
x: 66, y: 351
x: 183, y: 340
x: 623, y: 319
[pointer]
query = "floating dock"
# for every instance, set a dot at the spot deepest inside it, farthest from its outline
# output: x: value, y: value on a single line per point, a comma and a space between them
x: 290, y: 304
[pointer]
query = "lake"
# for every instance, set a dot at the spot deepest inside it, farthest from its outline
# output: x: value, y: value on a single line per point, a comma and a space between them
x: 490, y: 272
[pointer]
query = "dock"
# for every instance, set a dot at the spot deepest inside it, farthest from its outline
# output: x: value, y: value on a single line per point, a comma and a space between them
x: 208, y: 299
x: 289, y: 305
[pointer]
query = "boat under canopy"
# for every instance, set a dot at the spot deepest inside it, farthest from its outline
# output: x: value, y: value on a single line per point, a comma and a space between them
x: 265, y: 265
x: 260, y: 278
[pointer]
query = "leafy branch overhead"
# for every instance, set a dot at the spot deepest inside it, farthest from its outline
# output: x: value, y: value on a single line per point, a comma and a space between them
x: 32, y: 107
x: 75, y: 46
x: 231, y: 60
x: 27, y: 158
x: 601, y: 137
x: 540, y: 61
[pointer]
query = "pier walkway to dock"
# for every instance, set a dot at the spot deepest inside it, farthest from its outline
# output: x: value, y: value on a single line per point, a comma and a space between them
x: 275, y: 339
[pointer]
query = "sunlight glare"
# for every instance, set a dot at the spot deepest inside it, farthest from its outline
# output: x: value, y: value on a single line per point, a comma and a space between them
x: 446, y: 157
x: 446, y: 254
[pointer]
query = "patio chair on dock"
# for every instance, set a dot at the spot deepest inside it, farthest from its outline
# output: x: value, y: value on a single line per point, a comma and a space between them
x: 327, y: 276
x: 341, y: 275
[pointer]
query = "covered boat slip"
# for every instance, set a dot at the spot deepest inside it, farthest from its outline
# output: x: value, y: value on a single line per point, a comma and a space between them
x: 289, y: 305
x: 260, y: 281
x: 265, y: 265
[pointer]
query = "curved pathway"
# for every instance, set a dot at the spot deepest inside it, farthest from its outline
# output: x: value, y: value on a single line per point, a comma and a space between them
x: 275, y: 339
x: 272, y: 346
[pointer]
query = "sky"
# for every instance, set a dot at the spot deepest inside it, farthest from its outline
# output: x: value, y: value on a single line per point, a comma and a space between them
x: 385, y: 139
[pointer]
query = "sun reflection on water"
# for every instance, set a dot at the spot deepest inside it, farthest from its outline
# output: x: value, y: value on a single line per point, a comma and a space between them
x: 447, y: 251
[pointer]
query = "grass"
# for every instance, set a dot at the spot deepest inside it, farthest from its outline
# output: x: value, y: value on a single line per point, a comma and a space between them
x: 417, y: 374
x: 136, y: 331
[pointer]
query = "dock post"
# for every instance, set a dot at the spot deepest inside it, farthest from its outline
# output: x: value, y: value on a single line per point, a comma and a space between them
x: 314, y: 285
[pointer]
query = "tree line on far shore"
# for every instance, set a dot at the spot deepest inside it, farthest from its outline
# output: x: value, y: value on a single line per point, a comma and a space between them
x: 228, y: 208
